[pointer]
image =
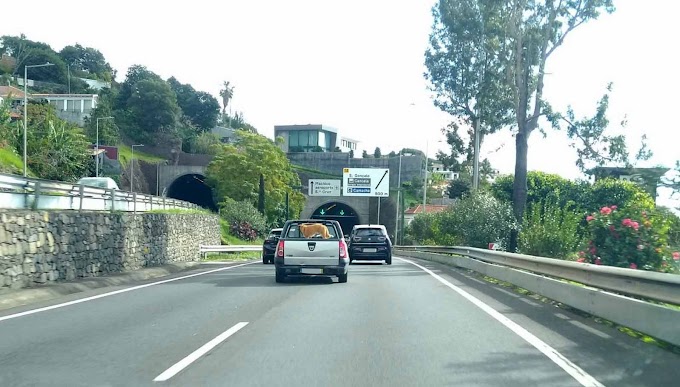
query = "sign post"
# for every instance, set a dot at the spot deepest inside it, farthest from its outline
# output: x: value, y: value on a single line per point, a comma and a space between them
x: 321, y: 187
x: 371, y: 182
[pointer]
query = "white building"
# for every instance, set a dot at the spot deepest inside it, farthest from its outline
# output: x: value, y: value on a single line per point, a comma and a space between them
x: 71, y: 107
x: 438, y: 168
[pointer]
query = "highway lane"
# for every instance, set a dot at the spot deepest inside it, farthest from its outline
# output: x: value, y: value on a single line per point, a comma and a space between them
x: 389, y: 325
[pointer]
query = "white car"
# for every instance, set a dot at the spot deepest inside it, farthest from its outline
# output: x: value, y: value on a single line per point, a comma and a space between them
x: 99, y: 182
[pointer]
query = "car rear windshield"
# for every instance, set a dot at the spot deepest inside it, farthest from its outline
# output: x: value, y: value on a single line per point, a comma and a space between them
x: 312, y: 231
x: 368, y: 232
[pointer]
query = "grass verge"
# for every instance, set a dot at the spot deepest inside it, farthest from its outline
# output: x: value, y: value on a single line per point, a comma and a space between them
x: 233, y: 257
x: 125, y: 155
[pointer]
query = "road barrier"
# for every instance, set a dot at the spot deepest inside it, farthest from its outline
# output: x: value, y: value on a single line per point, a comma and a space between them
x: 599, y: 290
x: 17, y: 192
x: 205, y: 249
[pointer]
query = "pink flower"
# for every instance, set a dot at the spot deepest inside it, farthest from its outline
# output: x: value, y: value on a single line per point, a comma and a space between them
x: 581, y: 260
x: 613, y: 207
x: 627, y: 222
x: 589, y: 218
x: 598, y: 261
x: 633, y: 265
x: 635, y: 225
x: 605, y: 211
x: 676, y: 256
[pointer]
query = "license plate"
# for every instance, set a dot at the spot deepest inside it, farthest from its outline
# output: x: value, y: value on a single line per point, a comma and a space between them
x: 370, y: 250
x: 311, y: 271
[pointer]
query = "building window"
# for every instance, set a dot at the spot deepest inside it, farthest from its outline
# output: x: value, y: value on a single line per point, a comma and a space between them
x: 293, y: 139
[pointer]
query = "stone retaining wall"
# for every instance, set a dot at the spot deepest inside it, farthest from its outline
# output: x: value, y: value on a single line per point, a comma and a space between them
x: 42, y: 246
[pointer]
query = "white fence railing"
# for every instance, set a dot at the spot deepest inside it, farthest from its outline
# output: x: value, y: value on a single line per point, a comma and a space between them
x: 605, y: 293
x: 17, y: 192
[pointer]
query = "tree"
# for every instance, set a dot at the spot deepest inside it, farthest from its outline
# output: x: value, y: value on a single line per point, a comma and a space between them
x: 364, y: 154
x: 523, y: 36
x: 458, y: 188
x: 236, y: 170
x: 462, y: 64
x: 392, y: 154
x: 201, y: 107
x: 376, y: 153
x: 87, y: 62
x: 227, y: 93
x: 109, y: 133
x: 260, y: 196
x: 154, y: 106
x: 135, y: 74
x: 54, y: 74
x: 20, y: 48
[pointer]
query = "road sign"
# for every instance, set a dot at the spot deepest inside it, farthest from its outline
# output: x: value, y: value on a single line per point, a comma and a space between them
x: 366, y: 182
x: 321, y: 187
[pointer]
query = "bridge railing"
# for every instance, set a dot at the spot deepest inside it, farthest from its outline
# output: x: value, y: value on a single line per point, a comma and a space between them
x: 17, y: 192
x: 648, y: 302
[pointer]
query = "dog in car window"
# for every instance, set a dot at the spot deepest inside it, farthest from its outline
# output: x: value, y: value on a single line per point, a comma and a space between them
x: 314, y: 230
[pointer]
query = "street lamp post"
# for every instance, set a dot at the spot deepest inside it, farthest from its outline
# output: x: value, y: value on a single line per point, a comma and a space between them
x: 26, y: 111
x: 97, y: 145
x: 132, y: 167
x: 396, y: 222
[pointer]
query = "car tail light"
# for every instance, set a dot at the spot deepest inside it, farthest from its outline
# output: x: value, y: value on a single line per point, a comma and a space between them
x: 279, y: 249
x: 343, y: 250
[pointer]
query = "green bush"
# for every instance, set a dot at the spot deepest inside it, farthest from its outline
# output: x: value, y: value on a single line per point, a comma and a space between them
x: 423, y: 227
x: 620, y: 193
x: 477, y: 220
x: 242, y: 213
x: 550, y: 230
x: 542, y: 186
x: 627, y: 237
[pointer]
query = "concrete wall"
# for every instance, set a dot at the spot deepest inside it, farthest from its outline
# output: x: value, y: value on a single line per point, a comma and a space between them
x: 41, y: 247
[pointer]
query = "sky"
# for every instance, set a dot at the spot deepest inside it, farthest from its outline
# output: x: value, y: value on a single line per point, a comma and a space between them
x: 358, y: 66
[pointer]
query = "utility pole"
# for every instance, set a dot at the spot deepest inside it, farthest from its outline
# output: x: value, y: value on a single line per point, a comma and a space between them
x: 396, y: 221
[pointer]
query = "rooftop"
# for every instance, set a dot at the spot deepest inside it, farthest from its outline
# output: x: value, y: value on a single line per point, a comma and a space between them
x: 305, y: 127
x: 15, y: 92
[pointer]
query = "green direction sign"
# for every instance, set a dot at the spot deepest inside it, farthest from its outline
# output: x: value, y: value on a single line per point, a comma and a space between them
x: 342, y: 212
x: 322, y: 212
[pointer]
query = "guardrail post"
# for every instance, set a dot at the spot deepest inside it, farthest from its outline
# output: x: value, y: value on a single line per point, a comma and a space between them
x: 81, y: 194
x: 36, y: 196
x: 134, y: 203
x: 113, y: 199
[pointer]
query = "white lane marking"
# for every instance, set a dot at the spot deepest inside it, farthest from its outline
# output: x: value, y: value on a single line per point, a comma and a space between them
x: 572, y: 369
x: 562, y: 316
x: 192, y: 357
x: 590, y: 329
x: 507, y: 292
x: 529, y: 302
x: 44, y: 309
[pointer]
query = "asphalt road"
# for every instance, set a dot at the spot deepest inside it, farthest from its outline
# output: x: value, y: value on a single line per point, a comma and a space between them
x: 398, y: 325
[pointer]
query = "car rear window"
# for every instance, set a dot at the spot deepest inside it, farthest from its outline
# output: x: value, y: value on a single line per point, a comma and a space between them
x: 368, y: 232
x: 294, y: 231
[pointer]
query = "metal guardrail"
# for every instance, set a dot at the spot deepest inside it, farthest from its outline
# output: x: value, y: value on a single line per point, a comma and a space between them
x: 205, y: 249
x: 645, y: 284
x: 604, y: 296
x: 17, y: 192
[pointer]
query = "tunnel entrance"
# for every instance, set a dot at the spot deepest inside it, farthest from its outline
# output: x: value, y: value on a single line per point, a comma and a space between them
x: 192, y: 188
x: 344, y: 214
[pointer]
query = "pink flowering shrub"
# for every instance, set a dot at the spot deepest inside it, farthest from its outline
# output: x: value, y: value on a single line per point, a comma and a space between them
x: 629, y: 238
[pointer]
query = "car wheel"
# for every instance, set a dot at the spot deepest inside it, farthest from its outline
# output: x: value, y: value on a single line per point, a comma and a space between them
x: 389, y: 260
x: 280, y: 277
x: 342, y: 278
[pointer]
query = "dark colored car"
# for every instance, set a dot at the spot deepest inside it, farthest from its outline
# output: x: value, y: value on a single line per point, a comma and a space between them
x: 269, y: 245
x: 370, y: 243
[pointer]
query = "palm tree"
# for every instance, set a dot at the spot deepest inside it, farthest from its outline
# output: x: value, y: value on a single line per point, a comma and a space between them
x: 226, y: 95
